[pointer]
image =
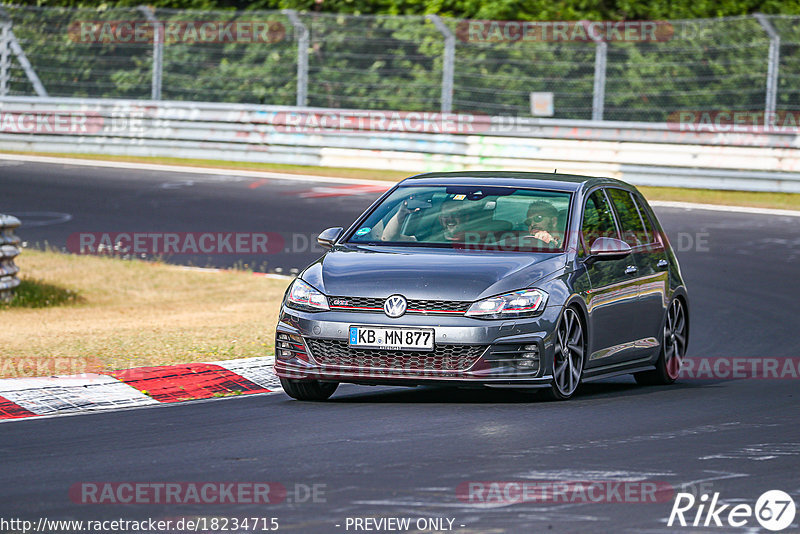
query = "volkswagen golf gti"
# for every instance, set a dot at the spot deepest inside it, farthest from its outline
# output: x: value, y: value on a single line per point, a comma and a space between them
x: 488, y: 279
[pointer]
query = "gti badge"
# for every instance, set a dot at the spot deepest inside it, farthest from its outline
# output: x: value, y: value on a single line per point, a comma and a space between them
x: 395, y: 306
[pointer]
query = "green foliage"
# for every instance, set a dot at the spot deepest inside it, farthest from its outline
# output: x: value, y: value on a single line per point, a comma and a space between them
x: 478, y: 9
x: 395, y: 62
x: 38, y: 294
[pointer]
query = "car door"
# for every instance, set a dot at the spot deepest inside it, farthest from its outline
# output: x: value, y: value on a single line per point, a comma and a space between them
x: 651, y: 259
x: 644, y: 266
x: 612, y: 299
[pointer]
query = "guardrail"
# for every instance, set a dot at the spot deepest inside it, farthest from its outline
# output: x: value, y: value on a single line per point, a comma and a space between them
x: 641, y: 153
x: 9, y: 249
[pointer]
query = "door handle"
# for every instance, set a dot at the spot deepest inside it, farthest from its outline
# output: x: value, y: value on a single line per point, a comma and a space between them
x: 662, y: 263
x: 630, y: 269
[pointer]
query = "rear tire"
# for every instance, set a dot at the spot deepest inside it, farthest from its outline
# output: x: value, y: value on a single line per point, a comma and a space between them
x: 673, y: 348
x: 308, y: 390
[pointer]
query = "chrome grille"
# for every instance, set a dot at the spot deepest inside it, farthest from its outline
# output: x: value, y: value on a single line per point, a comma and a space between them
x: 369, y: 304
x: 442, y: 358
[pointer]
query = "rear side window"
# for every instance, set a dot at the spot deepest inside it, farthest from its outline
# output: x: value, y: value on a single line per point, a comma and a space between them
x: 633, y: 230
x: 648, y: 224
x: 598, y: 220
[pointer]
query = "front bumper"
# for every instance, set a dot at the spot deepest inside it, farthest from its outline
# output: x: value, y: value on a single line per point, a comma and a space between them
x: 314, y: 346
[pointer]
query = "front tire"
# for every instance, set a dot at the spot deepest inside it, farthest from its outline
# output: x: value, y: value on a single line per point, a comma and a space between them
x: 673, y: 348
x: 568, y: 358
x: 308, y: 390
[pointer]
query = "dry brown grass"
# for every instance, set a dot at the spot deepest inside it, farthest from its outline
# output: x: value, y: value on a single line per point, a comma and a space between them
x: 133, y: 313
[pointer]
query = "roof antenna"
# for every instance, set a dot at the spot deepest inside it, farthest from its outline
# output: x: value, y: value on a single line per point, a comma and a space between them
x: 555, y: 171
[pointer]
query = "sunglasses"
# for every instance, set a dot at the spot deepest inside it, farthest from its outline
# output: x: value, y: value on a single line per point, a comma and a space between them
x: 535, y: 219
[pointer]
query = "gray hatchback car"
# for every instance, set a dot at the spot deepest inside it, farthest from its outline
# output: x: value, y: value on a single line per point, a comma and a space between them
x: 495, y: 279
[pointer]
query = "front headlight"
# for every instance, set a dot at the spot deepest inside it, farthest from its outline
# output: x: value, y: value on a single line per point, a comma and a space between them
x: 304, y: 297
x: 523, y: 303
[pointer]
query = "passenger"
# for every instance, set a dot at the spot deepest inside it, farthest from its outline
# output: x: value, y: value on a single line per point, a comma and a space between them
x: 453, y: 216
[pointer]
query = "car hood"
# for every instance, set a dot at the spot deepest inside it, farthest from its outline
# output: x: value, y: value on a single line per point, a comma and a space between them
x: 420, y: 273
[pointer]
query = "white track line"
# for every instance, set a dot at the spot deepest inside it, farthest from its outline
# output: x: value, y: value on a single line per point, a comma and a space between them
x: 336, y: 180
x: 191, y: 170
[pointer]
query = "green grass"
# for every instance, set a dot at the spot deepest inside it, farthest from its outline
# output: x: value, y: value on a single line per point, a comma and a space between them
x: 33, y: 293
x: 789, y: 201
x: 754, y: 199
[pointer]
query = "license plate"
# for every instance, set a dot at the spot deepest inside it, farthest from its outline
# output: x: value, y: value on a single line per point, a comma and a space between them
x: 370, y: 337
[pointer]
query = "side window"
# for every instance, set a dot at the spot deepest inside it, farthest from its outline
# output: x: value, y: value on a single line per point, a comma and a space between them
x: 597, y: 219
x: 648, y: 224
x: 633, y: 231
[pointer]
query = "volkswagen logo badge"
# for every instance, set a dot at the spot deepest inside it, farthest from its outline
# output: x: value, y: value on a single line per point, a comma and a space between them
x: 395, y: 306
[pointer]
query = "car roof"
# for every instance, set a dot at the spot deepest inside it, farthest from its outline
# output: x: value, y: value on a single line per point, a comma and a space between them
x: 536, y: 180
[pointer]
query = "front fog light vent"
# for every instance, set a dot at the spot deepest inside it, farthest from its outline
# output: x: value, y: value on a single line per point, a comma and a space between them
x: 288, y: 346
x: 529, y: 358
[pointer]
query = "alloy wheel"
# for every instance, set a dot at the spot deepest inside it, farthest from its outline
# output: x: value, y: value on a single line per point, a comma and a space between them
x: 674, y: 338
x: 569, y: 352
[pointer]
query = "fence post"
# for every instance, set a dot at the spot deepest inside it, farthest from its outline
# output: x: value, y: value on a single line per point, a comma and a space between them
x: 448, y: 63
x: 301, y: 35
x: 158, y: 51
x: 13, y: 45
x: 599, y: 90
x: 5, y: 57
x: 773, y: 65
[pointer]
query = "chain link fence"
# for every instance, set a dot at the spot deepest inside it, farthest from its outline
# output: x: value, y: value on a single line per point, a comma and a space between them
x: 401, y: 62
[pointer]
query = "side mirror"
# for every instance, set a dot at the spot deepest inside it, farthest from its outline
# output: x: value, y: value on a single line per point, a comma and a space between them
x: 328, y: 237
x: 609, y: 248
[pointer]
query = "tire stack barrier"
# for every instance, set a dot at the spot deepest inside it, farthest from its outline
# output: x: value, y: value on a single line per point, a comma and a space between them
x: 9, y: 249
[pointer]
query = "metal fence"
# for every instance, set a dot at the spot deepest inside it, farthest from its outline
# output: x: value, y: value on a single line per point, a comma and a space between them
x: 9, y: 249
x: 747, y: 63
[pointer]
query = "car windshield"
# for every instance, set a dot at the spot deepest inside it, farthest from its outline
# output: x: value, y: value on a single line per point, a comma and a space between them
x: 469, y: 217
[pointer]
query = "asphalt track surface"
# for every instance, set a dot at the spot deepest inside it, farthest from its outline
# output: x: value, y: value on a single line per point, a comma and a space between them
x: 395, y: 452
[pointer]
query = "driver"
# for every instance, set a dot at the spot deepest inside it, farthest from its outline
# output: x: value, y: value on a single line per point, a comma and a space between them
x: 542, y: 223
